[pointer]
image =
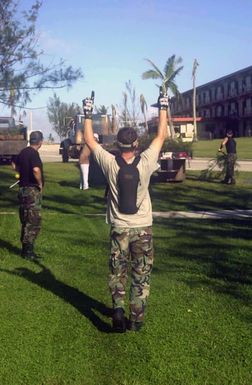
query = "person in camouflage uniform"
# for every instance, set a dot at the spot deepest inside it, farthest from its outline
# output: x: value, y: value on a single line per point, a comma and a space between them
x: 230, y: 145
x: 30, y: 199
x: 31, y: 182
x: 131, y: 247
x: 131, y: 243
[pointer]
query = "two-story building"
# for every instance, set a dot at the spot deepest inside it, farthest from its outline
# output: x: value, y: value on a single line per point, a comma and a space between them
x: 224, y: 103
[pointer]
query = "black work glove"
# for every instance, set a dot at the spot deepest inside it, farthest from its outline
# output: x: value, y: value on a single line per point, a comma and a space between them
x: 88, y: 105
x: 162, y: 100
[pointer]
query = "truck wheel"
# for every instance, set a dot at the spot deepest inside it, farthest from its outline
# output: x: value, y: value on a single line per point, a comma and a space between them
x: 65, y: 156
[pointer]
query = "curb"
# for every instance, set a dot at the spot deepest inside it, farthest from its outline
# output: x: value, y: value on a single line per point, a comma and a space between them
x: 220, y: 214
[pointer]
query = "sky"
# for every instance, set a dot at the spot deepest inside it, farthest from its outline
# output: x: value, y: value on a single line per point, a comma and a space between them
x: 109, y: 41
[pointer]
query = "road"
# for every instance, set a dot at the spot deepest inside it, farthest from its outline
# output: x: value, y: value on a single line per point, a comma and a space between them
x: 202, y: 164
x: 50, y: 153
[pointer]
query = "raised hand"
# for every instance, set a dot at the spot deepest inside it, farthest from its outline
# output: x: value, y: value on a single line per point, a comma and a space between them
x: 88, y: 105
x: 162, y: 100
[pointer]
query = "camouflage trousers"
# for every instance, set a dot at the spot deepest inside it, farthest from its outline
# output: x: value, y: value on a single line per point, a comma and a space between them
x: 231, y: 158
x: 30, y: 199
x: 131, y: 251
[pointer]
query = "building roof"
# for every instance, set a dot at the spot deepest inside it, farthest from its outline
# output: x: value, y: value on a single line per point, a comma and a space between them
x: 177, y: 119
x: 247, y: 69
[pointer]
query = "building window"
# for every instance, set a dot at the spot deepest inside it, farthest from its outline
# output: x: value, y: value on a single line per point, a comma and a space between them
x: 213, y: 94
x: 219, y: 93
x: 232, y: 88
x: 219, y: 111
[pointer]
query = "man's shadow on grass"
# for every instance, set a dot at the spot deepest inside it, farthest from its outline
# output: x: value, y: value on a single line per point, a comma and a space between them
x: 9, y: 247
x: 85, y: 304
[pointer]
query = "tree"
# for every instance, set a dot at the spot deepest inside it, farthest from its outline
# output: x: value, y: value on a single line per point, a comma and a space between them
x: 129, y: 113
x: 103, y: 110
x: 21, y: 71
x: 124, y: 114
x: 143, y: 106
x: 114, y: 124
x: 58, y: 112
x: 171, y: 70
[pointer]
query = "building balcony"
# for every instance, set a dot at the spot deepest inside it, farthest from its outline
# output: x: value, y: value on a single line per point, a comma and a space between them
x: 247, y: 111
x: 209, y: 102
x: 245, y: 89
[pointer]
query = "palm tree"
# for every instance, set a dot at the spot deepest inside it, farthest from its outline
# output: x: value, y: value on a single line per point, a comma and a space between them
x: 143, y: 105
x: 171, y: 70
x: 129, y: 112
x: 124, y: 116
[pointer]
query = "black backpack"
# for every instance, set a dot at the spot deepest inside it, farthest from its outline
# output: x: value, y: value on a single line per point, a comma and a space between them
x: 127, y: 180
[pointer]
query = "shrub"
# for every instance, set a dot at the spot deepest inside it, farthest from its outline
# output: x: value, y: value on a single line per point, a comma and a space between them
x: 217, y: 168
x: 169, y: 144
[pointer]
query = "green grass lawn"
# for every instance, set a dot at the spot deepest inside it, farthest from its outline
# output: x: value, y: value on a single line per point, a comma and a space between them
x: 209, y: 148
x: 56, y: 315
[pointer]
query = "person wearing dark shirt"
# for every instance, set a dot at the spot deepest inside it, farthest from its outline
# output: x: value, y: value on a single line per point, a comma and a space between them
x: 31, y: 182
x: 230, y: 145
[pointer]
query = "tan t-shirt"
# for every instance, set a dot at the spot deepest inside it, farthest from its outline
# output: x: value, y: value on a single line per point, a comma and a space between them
x: 146, y: 166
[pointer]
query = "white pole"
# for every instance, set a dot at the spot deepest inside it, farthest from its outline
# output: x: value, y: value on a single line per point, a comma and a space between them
x: 30, y: 126
x: 195, y: 65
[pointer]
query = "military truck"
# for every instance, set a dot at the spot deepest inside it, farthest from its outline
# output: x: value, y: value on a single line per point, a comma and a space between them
x: 71, y: 146
x: 13, y: 138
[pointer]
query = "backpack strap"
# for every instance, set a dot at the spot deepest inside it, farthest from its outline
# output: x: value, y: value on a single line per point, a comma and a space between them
x: 121, y: 162
x: 136, y: 160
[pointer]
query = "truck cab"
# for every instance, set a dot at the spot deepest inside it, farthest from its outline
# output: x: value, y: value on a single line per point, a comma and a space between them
x: 13, y: 138
x: 72, y: 145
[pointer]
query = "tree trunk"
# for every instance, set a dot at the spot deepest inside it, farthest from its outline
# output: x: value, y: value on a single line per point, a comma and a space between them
x: 146, y: 123
x: 195, y: 131
x: 194, y: 112
x: 114, y: 125
x: 172, y: 132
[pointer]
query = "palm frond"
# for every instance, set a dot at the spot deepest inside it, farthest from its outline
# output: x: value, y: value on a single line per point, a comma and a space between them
x: 157, y: 70
x: 178, y: 70
x: 171, y: 66
x: 151, y: 74
x: 174, y: 88
x: 179, y: 60
x: 173, y: 74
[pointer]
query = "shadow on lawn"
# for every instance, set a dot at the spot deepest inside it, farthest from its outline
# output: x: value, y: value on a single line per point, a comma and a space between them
x: 72, y: 204
x: 85, y: 304
x: 8, y: 197
x: 8, y: 246
x: 215, y: 254
x: 199, y: 196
